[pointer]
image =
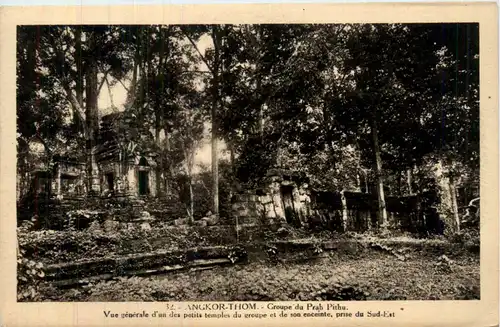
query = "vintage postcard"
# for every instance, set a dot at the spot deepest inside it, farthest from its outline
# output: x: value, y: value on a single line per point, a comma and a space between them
x: 270, y: 164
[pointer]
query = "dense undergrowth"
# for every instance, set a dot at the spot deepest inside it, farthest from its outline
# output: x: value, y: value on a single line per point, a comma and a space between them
x: 374, y: 277
x: 388, y: 266
x: 51, y: 246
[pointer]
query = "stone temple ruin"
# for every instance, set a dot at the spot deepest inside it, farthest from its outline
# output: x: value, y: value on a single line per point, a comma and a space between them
x: 285, y: 197
x: 125, y: 165
x: 281, y: 197
x: 119, y: 168
x: 126, y: 168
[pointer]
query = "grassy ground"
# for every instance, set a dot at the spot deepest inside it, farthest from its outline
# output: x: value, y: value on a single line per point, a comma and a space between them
x: 373, y: 276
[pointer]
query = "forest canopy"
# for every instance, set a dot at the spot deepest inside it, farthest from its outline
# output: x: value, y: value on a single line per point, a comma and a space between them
x: 383, y: 108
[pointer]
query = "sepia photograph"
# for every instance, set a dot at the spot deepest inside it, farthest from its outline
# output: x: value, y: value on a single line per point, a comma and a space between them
x: 248, y: 162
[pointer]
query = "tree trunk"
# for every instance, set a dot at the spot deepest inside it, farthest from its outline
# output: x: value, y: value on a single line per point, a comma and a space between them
x: 159, y: 115
x: 453, y: 195
x: 400, y: 191
x: 142, y: 96
x: 260, y: 102
x: 382, y: 212
x: 366, y: 183
x: 446, y: 207
x: 256, y: 44
x: 233, y: 187
x: 215, y: 101
x: 189, y: 154
x: 190, y: 208
x: 159, y: 167
x: 79, y: 67
x: 23, y: 171
x: 344, y: 210
x: 131, y: 96
x: 92, y: 121
x: 408, y: 180
x: 133, y: 84
x: 191, y: 201
x: 58, y: 182
x: 169, y: 172
x: 145, y: 104
x: 231, y: 155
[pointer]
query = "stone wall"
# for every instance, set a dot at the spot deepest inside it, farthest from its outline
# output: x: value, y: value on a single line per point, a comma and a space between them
x: 131, y: 180
x: 285, y: 201
x: 247, y: 209
x: 68, y: 179
x: 271, y: 204
x: 152, y: 182
x: 356, y: 211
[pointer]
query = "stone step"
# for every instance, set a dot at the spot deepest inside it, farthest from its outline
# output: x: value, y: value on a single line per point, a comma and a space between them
x: 200, y: 264
x: 119, y: 266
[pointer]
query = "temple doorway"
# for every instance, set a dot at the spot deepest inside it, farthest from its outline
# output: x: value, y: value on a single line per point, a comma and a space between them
x: 143, y: 182
x: 110, y: 180
x: 143, y: 177
x: 287, y: 198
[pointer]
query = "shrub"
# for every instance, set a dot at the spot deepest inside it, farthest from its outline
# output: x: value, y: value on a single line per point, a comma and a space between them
x: 29, y: 272
x: 29, y: 276
x: 50, y: 246
x: 59, y: 246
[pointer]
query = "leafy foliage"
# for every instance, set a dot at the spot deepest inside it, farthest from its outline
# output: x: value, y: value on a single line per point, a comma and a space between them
x: 360, y: 278
x: 29, y: 272
x: 298, y: 96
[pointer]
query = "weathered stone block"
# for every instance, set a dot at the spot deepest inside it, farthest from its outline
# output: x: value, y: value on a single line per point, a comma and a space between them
x: 211, y: 220
x: 145, y: 226
x: 243, y: 212
x: 245, y: 198
x: 111, y: 226
x: 201, y: 223
x: 237, y: 198
x: 94, y: 226
x: 265, y: 199
x: 238, y: 206
x: 303, y: 198
x: 243, y: 227
x: 143, y: 216
x: 253, y: 205
x: 265, y: 190
x: 247, y: 220
x: 251, y: 197
x: 152, y: 183
x: 277, y: 199
x: 180, y: 222
x: 280, y: 213
x: 259, y: 207
x: 269, y: 210
x: 271, y: 221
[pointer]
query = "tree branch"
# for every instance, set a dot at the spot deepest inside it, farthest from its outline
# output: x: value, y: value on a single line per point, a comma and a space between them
x: 120, y: 81
x: 70, y: 97
x: 75, y: 105
x: 104, y: 79
x: 202, y: 57
x: 109, y: 91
